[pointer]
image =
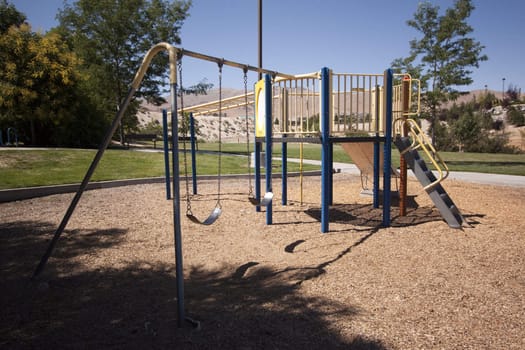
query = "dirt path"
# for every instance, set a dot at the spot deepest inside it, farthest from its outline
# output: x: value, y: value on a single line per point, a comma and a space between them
x: 415, y: 285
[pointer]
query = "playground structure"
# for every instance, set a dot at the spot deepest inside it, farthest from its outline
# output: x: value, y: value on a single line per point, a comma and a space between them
x: 322, y: 107
x: 361, y: 112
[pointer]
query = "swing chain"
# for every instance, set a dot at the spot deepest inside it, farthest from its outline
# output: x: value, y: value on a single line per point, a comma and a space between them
x: 250, y: 188
x: 181, y: 92
x: 219, y: 166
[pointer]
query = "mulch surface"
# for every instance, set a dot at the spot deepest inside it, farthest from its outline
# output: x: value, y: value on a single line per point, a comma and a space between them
x: 419, y: 284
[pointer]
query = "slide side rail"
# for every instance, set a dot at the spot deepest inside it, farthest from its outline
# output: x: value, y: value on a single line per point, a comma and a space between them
x: 421, y: 141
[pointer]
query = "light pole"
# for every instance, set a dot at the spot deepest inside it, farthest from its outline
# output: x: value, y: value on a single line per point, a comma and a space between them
x: 260, y: 37
x: 503, y: 90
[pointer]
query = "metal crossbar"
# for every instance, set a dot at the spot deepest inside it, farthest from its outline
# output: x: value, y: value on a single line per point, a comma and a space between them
x: 227, y: 103
x: 184, y: 52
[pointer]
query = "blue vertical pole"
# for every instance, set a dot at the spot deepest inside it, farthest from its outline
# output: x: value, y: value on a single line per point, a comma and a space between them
x: 166, y: 152
x: 326, y: 166
x: 387, y: 154
x: 1, y: 141
x: 193, y: 154
x: 268, y: 145
x: 257, y: 165
x: 284, y: 153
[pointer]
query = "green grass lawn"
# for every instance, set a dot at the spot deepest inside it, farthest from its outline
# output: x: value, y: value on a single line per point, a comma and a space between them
x: 26, y: 167
x: 494, y: 163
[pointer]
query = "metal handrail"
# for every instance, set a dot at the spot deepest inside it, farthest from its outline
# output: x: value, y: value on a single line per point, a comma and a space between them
x: 418, y: 105
x: 421, y: 141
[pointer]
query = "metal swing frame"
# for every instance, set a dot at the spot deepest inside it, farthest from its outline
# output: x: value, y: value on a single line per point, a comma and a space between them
x: 217, y: 210
x: 175, y: 54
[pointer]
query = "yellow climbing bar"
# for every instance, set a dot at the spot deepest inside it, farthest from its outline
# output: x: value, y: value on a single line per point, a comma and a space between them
x: 421, y: 141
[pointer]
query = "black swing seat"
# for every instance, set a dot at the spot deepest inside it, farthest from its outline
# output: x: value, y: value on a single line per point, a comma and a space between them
x: 209, y: 220
x: 267, y: 199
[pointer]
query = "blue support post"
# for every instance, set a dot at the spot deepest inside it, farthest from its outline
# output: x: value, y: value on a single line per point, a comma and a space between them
x: 166, y: 152
x: 387, y: 154
x: 268, y: 145
x: 1, y: 141
x: 257, y: 165
x: 284, y: 153
x: 326, y: 166
x: 193, y: 154
x: 377, y: 165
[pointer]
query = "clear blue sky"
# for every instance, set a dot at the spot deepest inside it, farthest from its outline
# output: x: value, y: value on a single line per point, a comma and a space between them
x: 302, y: 36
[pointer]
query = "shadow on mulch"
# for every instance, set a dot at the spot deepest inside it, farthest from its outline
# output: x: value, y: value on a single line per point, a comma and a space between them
x: 74, y: 306
x: 365, y: 215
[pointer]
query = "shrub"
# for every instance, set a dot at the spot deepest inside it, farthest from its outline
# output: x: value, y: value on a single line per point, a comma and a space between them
x: 515, y: 117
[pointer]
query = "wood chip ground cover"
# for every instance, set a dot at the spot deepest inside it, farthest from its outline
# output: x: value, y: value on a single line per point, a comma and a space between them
x: 415, y: 285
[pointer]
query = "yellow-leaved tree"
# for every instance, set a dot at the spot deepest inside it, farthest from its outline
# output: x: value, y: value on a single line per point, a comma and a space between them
x: 40, y: 88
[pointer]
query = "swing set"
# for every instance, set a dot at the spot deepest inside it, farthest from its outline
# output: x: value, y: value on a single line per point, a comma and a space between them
x: 316, y: 127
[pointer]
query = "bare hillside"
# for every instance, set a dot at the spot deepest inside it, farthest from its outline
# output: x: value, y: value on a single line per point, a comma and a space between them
x: 234, y: 123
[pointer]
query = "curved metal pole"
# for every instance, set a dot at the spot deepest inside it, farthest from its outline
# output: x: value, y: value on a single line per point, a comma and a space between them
x: 83, y: 185
x: 107, y: 139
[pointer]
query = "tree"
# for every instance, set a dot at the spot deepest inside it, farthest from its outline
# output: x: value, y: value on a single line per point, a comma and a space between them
x: 467, y: 130
x: 511, y: 96
x: 112, y: 38
x: 39, y: 86
x: 515, y: 116
x: 9, y: 16
x: 443, y: 58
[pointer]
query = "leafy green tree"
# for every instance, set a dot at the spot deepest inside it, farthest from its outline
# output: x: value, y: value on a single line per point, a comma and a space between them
x: 112, y: 38
x: 445, y: 139
x: 467, y: 130
x: 39, y: 86
x: 512, y: 96
x: 488, y: 100
x: 470, y: 128
x: 444, y: 56
x: 9, y: 16
x: 515, y: 116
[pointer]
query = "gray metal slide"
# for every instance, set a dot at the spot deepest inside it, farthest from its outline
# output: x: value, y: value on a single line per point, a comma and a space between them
x: 437, y: 193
